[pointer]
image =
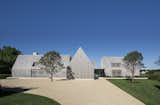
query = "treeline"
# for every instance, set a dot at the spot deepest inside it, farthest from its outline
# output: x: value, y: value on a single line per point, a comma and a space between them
x: 153, y: 74
x: 8, y: 56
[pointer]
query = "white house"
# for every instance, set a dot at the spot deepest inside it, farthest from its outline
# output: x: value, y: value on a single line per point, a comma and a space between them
x: 27, y: 66
x: 115, y: 66
x: 80, y: 65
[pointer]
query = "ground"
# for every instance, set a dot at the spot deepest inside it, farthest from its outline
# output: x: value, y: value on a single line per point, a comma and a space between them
x: 147, y: 91
x: 76, y: 92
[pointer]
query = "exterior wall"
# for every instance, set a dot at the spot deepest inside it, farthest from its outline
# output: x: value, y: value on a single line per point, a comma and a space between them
x: 23, y: 67
x: 106, y: 63
x: 43, y: 73
x: 39, y: 73
x: 81, y: 65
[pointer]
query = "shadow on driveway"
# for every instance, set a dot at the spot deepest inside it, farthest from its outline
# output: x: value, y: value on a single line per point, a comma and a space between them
x: 5, y: 91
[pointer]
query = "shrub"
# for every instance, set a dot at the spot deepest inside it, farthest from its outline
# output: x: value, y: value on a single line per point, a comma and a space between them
x: 155, y: 75
x: 4, y: 69
x: 3, y: 76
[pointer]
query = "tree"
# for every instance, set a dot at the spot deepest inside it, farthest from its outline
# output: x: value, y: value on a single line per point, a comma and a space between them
x: 51, y: 62
x: 70, y: 74
x: 132, y: 60
x: 8, y: 56
x: 158, y: 61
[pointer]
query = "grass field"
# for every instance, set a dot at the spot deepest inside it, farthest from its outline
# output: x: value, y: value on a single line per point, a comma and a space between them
x: 148, y: 91
x: 12, y: 98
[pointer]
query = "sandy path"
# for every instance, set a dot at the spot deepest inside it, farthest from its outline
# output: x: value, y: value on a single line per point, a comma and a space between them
x: 76, y: 92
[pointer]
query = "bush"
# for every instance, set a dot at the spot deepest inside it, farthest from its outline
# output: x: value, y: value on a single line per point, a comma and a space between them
x: 155, y: 75
x: 4, y: 76
x: 4, y: 69
x: 96, y: 76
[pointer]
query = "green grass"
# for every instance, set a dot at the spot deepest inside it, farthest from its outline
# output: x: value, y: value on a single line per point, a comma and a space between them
x: 11, y: 98
x: 148, y: 91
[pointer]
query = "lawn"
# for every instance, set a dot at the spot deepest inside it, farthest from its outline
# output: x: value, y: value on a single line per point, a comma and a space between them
x: 12, y: 98
x: 148, y: 91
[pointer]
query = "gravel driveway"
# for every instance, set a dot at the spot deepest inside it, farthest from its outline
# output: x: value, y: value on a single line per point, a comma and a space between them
x: 76, y: 92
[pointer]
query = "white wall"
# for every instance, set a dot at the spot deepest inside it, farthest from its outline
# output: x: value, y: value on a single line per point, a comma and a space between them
x: 106, y: 64
x: 81, y: 65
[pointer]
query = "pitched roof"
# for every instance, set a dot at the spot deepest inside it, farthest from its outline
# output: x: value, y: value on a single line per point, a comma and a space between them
x: 81, y: 57
x: 26, y: 61
x: 80, y: 53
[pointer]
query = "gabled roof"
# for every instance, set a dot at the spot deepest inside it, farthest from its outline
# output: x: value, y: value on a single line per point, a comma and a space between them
x: 79, y: 56
x: 80, y: 53
x: 26, y: 61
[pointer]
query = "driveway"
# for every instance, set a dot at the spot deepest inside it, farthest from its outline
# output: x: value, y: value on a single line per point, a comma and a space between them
x: 76, y: 92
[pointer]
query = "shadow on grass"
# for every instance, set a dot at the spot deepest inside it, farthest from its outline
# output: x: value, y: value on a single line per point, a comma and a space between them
x: 128, y: 81
x: 134, y: 81
x: 5, y: 91
x: 157, y: 86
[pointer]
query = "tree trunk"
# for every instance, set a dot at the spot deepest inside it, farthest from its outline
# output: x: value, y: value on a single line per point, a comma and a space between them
x: 132, y: 77
x: 51, y: 77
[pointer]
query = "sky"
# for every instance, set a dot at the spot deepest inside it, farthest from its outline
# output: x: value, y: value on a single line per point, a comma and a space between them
x: 100, y: 27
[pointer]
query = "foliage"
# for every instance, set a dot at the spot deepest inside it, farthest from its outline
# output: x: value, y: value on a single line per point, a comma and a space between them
x: 70, y: 74
x: 148, y: 91
x: 132, y: 61
x: 4, y: 76
x: 8, y: 56
x: 24, y: 99
x: 52, y: 62
x: 153, y: 74
x: 4, y: 69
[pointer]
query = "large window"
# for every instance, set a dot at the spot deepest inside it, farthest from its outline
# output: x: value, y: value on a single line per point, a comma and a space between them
x: 116, y: 64
x: 116, y: 72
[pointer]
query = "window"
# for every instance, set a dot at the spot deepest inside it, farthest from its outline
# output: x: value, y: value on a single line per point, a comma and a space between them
x: 116, y: 72
x: 116, y: 64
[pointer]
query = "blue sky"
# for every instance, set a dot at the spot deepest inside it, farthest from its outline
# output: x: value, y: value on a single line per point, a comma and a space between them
x: 100, y: 27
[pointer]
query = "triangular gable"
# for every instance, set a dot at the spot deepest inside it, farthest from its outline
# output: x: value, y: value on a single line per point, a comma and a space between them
x: 81, y: 65
x: 80, y: 53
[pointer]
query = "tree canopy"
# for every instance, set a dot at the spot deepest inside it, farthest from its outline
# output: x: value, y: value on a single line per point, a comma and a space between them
x: 134, y: 57
x: 8, y: 56
x: 52, y: 62
x: 132, y: 60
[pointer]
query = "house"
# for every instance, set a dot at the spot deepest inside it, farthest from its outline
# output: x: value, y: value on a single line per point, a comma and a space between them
x: 80, y: 65
x: 28, y: 66
x: 115, y: 66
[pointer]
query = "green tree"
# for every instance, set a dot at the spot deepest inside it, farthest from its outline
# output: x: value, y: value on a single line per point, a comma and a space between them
x: 51, y: 62
x: 8, y: 56
x: 132, y: 60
